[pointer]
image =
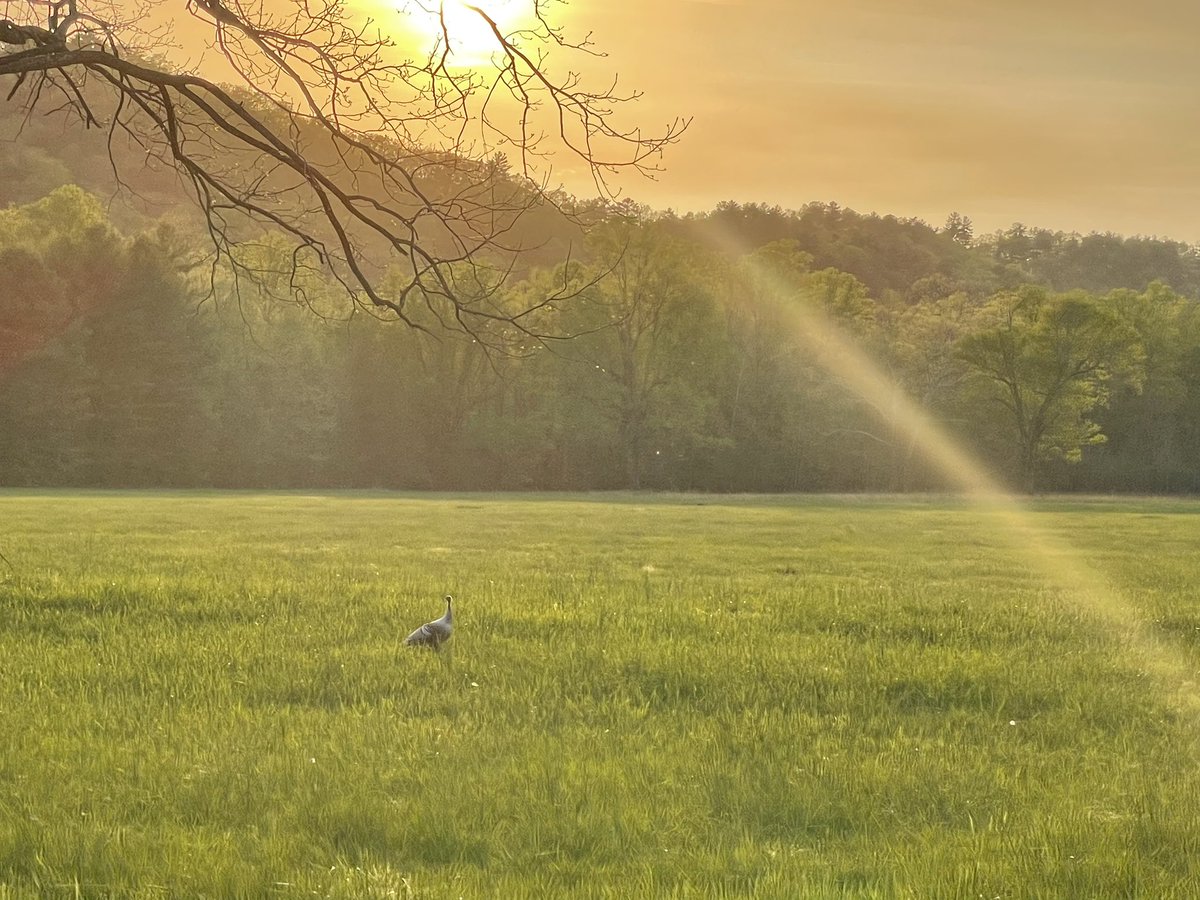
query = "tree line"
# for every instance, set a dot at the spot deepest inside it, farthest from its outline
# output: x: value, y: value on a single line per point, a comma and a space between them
x: 693, y: 355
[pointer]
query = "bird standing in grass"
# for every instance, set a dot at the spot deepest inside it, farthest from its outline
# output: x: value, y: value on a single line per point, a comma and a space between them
x: 433, y: 634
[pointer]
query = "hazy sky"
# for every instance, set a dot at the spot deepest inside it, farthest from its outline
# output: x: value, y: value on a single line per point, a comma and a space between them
x: 1062, y: 113
x: 1073, y: 115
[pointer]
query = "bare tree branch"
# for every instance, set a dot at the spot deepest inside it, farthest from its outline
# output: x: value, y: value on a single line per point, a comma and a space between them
x: 383, y: 171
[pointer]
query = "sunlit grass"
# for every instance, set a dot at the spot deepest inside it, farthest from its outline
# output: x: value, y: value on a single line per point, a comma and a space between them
x: 205, y: 694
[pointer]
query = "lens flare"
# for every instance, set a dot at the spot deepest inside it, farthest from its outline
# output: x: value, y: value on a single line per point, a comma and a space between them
x: 1052, y: 558
x: 461, y: 28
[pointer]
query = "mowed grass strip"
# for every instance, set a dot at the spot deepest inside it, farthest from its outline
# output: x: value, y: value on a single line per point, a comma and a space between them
x: 672, y: 697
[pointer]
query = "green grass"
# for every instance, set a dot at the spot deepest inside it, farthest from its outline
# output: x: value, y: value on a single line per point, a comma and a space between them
x: 205, y: 695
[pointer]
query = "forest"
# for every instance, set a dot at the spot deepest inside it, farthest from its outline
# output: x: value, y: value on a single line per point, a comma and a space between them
x: 671, y: 361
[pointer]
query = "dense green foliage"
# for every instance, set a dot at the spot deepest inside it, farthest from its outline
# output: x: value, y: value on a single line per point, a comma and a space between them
x: 1066, y: 362
x: 205, y: 695
x: 687, y: 371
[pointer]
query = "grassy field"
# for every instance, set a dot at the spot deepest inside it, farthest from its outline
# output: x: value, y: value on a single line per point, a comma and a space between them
x: 205, y: 695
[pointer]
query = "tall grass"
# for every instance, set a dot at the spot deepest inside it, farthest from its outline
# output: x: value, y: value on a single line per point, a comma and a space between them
x: 645, y: 697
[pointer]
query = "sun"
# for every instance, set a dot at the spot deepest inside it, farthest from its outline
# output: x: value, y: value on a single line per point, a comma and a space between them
x: 471, y: 39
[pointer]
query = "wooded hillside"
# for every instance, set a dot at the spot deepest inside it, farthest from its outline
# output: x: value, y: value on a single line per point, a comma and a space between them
x: 1068, y: 362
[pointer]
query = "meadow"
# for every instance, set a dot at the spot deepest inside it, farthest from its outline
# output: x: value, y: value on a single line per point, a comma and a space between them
x: 677, y: 696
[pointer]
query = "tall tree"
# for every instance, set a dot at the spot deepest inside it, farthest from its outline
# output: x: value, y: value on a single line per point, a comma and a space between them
x: 920, y: 350
x: 789, y: 323
x: 277, y: 378
x: 645, y: 356
x: 1050, y: 360
x: 1151, y: 446
x: 959, y: 229
x: 762, y: 390
x: 100, y: 353
x: 147, y: 351
x: 61, y: 261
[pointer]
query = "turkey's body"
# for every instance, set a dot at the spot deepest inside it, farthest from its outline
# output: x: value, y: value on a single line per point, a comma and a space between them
x: 433, y: 634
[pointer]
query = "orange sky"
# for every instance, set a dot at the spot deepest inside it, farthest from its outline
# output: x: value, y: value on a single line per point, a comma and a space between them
x: 1061, y: 113
x: 1068, y: 114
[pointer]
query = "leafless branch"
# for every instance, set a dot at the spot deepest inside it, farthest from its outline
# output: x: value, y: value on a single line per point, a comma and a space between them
x: 383, y: 171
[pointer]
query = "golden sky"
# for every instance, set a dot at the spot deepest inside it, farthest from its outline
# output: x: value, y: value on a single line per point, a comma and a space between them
x: 1061, y: 113
x: 1067, y: 114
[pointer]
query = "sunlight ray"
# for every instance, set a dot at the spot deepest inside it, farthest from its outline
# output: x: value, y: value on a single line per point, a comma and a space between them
x: 1052, y: 556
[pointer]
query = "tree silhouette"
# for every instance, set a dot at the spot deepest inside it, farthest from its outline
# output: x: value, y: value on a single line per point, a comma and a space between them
x: 388, y: 173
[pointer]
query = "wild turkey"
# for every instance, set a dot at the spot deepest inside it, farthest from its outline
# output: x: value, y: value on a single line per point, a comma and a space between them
x: 433, y: 634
